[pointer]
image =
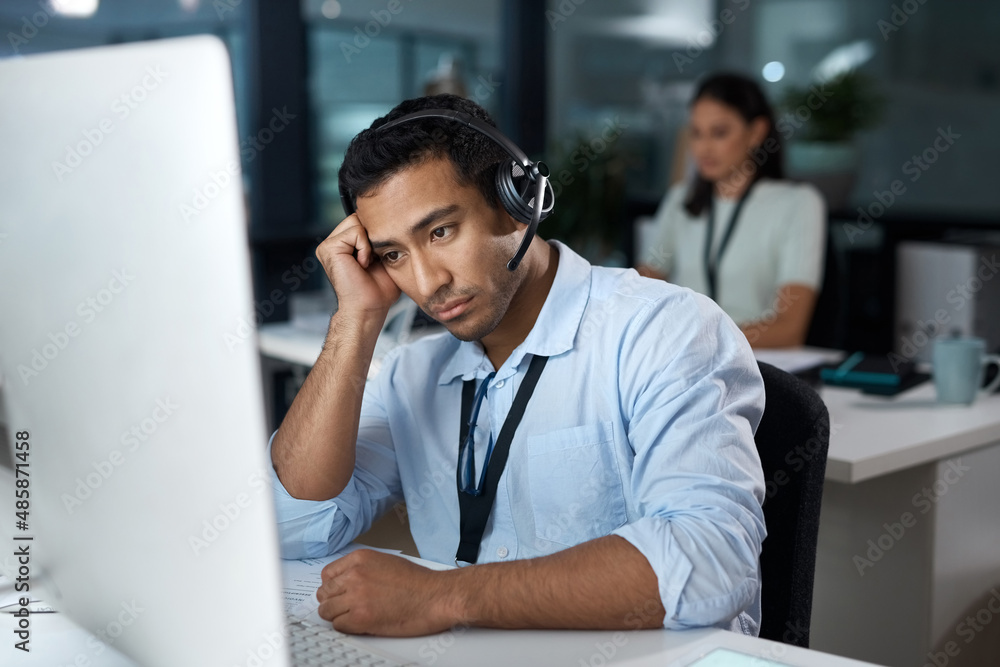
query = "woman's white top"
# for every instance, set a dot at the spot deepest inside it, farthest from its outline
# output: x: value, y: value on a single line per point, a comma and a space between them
x: 779, y: 239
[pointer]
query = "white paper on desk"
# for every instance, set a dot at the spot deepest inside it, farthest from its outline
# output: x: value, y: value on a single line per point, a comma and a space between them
x: 795, y: 360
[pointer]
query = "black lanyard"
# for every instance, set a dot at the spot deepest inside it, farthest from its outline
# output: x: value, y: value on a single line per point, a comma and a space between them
x: 712, y: 268
x: 475, y: 510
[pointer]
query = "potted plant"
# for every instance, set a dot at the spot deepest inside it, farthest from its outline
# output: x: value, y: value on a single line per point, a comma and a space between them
x: 822, y: 120
x: 588, y: 179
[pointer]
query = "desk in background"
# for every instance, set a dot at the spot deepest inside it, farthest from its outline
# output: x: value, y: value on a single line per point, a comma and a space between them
x: 909, y: 533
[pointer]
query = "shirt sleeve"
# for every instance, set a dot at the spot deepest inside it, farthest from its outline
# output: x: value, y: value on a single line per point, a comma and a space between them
x: 316, y: 528
x: 696, y: 478
x: 660, y: 254
x: 803, y: 240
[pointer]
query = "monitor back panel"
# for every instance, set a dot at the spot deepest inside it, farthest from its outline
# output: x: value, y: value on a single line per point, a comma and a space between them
x: 124, y: 352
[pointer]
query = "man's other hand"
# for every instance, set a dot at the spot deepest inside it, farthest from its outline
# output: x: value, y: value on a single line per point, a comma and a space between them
x: 369, y: 592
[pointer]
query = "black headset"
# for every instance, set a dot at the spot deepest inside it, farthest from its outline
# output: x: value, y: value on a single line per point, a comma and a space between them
x: 514, y: 178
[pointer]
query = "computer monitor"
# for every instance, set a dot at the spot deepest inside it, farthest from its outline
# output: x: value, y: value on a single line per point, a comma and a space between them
x: 124, y: 280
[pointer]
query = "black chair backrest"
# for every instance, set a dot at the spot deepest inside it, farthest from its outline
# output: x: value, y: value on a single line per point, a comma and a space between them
x: 792, y: 440
x: 826, y: 328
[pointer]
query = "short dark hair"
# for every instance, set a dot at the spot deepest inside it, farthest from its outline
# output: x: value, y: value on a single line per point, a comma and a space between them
x: 745, y: 97
x: 374, y: 156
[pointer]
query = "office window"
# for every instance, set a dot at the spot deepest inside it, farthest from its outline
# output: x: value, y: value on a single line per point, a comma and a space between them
x: 936, y: 65
x: 363, y: 60
x: 30, y: 26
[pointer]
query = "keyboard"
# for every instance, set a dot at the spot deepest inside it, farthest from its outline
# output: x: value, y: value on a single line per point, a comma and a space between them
x: 312, y: 644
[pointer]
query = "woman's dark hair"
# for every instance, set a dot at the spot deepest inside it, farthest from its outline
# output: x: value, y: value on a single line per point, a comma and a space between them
x: 746, y: 98
x: 374, y: 156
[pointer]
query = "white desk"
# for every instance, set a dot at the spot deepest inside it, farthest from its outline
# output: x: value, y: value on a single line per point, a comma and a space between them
x: 873, y: 436
x: 58, y: 642
x: 896, y: 459
x: 284, y: 341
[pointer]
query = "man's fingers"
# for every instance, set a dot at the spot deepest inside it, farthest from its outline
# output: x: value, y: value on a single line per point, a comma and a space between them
x: 326, y: 590
x: 349, y: 238
x: 364, y: 253
x: 332, y: 608
x: 334, y: 569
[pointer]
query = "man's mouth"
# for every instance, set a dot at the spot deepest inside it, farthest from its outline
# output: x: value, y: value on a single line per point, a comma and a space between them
x: 451, y: 309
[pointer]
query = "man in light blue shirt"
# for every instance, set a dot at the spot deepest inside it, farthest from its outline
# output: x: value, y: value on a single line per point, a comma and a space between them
x: 632, y: 492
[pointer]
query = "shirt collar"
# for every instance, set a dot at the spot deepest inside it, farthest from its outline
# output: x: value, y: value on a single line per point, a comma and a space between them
x: 554, y: 330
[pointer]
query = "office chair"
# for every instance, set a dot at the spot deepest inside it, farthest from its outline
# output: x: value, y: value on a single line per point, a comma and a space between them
x: 826, y: 328
x: 792, y: 441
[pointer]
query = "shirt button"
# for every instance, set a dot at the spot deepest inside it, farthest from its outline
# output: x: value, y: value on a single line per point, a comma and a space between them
x: 500, y: 384
x: 502, y: 552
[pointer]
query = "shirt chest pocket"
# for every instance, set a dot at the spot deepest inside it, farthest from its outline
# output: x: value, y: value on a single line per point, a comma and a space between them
x: 576, y: 490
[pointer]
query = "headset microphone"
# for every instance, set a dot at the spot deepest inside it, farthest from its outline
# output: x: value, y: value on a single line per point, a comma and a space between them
x: 522, y: 185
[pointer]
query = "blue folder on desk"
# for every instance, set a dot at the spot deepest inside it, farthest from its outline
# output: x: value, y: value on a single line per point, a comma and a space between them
x: 873, y: 373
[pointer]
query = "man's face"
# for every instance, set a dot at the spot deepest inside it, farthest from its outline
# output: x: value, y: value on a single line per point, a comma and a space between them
x: 444, y: 246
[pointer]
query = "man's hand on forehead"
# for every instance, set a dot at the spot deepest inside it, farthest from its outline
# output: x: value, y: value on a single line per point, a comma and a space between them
x: 361, y: 283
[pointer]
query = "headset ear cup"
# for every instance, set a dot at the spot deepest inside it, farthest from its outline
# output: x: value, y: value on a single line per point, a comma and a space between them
x: 509, y: 181
x: 516, y: 192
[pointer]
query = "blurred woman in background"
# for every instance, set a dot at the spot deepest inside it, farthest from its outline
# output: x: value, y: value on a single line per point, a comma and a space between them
x: 738, y: 231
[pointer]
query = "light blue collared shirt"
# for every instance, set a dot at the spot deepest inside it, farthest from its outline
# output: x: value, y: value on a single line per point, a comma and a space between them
x: 641, y: 426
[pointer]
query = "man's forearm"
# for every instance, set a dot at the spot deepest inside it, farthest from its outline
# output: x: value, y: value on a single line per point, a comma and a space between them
x: 313, y: 451
x: 602, y: 584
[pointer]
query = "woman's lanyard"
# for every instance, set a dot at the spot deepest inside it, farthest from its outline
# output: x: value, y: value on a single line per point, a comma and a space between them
x: 476, y: 503
x: 712, y: 267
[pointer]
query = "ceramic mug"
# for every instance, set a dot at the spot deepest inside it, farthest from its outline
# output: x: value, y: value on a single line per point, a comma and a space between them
x: 959, y: 367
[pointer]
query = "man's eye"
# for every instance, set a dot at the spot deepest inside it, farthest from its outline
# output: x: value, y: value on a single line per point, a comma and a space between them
x: 390, y: 256
x: 441, y: 232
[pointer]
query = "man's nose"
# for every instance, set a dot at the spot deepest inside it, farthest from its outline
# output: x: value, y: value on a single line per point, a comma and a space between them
x: 428, y: 276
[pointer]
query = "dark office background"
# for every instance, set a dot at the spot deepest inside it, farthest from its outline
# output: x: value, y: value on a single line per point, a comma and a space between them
x: 558, y: 75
